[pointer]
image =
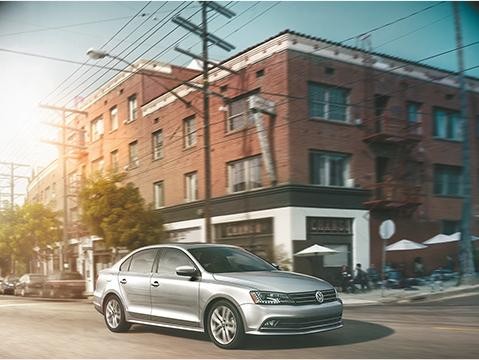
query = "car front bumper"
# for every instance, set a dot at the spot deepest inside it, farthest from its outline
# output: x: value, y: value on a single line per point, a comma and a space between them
x: 292, y: 319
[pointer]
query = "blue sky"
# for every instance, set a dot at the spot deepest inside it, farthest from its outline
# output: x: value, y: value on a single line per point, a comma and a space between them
x: 67, y: 29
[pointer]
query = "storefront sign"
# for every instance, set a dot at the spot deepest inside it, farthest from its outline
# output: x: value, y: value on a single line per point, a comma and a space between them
x: 327, y: 225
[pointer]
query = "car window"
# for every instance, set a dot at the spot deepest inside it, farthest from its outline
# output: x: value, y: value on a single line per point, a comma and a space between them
x: 229, y: 259
x: 170, y: 259
x: 142, y: 261
x: 126, y: 264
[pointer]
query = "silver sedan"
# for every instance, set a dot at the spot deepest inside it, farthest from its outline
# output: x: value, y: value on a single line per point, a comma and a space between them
x: 222, y: 290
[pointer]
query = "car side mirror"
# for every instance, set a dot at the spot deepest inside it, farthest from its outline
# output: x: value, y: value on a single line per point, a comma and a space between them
x: 187, y: 270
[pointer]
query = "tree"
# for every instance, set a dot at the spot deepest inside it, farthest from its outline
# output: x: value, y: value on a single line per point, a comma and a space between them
x: 25, y: 228
x: 117, y: 213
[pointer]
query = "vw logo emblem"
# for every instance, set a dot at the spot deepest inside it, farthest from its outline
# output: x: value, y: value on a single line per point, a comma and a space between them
x: 319, y: 296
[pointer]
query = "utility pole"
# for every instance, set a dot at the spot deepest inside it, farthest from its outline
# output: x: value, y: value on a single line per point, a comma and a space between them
x: 12, y: 179
x: 465, y: 255
x: 207, y: 38
x: 64, y: 156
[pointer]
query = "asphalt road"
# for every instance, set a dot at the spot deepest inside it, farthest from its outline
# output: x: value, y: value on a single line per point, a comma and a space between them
x: 34, y: 328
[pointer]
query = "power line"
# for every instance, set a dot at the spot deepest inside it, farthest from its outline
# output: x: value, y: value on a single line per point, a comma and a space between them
x: 159, y: 26
x: 67, y: 26
x: 81, y: 66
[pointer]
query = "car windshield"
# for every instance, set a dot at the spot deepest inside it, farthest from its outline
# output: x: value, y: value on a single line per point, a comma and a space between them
x: 229, y: 259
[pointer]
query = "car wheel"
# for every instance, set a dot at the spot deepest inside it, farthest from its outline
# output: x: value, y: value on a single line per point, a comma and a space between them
x: 115, y: 315
x: 225, y: 326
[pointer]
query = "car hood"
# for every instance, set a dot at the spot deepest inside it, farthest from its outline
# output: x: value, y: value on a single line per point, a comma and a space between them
x: 280, y: 281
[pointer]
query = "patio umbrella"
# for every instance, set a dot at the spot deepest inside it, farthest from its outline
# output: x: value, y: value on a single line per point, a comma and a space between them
x: 457, y: 236
x: 315, y: 250
x: 439, y: 239
x: 405, y: 245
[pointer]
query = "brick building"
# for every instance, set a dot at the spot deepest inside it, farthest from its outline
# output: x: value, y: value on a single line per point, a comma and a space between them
x: 356, y: 138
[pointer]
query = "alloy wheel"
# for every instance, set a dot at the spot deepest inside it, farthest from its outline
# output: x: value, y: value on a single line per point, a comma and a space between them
x: 223, y: 325
x: 113, y: 313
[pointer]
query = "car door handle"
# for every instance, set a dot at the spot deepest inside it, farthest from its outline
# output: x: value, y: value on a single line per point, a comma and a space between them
x: 123, y: 281
x: 155, y: 284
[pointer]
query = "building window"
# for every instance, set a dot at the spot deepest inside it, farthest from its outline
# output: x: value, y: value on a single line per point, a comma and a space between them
x: 328, y: 102
x: 158, y: 194
x: 447, y: 180
x: 329, y: 169
x: 447, y: 124
x: 132, y: 108
x: 238, y: 114
x: 189, y: 131
x: 113, y: 118
x: 157, y: 142
x: 245, y: 174
x: 450, y: 227
x: 191, y: 186
x: 97, y: 166
x: 114, y: 161
x: 133, y: 155
x: 96, y: 128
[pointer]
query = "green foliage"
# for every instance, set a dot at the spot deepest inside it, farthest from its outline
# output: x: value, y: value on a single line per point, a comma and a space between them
x: 26, y: 227
x: 117, y: 213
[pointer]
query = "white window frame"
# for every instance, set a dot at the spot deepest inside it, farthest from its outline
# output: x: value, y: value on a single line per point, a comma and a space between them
x: 96, y: 128
x: 326, y: 103
x: 189, y: 132
x: 114, y: 160
x: 328, y: 158
x: 191, y: 186
x: 132, y: 108
x: 157, y: 145
x: 114, y: 123
x: 159, y: 194
x: 133, y: 159
x: 245, y: 173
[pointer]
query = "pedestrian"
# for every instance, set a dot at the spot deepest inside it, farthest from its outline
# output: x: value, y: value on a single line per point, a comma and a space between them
x: 361, y: 278
x: 418, y: 267
x: 347, y: 280
x: 373, y: 276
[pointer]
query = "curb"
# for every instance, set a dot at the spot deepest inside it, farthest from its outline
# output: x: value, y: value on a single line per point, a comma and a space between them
x: 439, y: 295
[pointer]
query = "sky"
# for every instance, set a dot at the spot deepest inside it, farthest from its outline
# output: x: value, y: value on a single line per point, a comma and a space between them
x: 66, y: 30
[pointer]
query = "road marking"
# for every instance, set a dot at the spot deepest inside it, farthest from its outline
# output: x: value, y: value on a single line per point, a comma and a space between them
x: 461, y: 329
x: 21, y: 304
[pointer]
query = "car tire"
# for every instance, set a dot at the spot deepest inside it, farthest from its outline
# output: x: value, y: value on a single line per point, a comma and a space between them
x: 114, y: 315
x: 225, y: 325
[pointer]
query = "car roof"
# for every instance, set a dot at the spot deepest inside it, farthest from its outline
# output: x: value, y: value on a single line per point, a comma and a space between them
x: 186, y: 246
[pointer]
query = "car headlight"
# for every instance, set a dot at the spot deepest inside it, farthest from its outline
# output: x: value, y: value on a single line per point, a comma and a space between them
x: 270, y: 298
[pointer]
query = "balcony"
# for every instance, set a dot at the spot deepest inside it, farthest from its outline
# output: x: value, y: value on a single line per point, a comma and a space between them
x: 394, y: 195
x: 387, y: 129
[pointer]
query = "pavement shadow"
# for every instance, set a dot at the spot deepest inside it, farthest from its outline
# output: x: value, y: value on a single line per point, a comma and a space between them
x: 353, y: 332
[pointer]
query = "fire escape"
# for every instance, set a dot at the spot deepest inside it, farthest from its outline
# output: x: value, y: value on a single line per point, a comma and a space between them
x: 393, y: 140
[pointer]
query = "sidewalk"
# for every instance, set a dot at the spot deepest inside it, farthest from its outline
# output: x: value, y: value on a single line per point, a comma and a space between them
x: 417, y: 293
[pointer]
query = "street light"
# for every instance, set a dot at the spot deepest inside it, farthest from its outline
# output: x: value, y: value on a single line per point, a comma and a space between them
x: 97, y: 54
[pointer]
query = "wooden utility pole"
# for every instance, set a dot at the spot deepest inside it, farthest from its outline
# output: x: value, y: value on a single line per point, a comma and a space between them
x: 207, y: 38
x: 63, y: 154
x: 465, y: 255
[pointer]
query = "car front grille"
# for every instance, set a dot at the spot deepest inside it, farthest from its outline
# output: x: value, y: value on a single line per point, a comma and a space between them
x: 308, y: 298
x: 295, y: 325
